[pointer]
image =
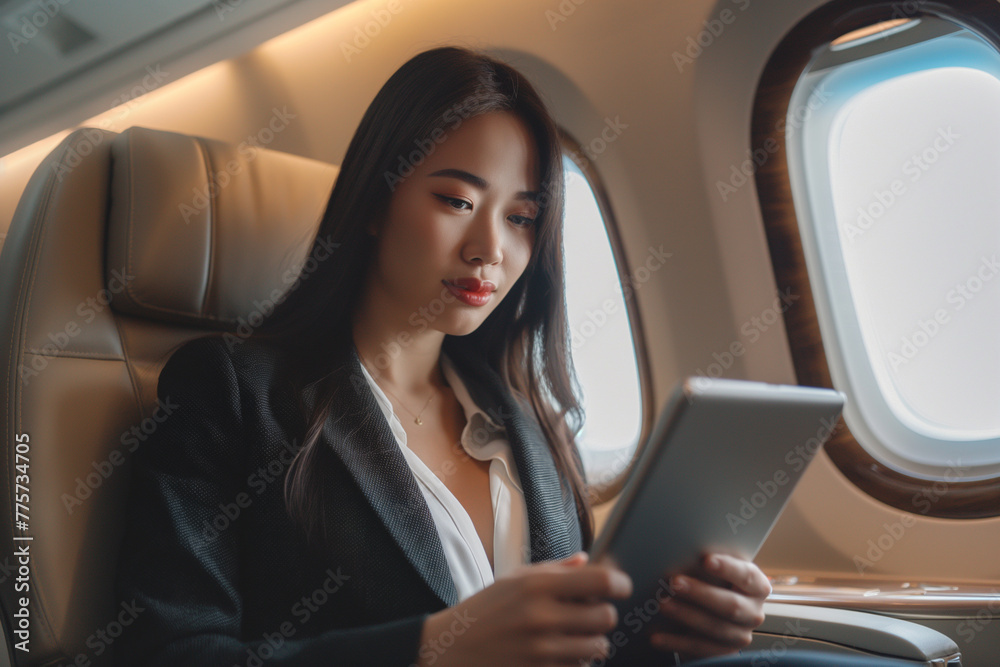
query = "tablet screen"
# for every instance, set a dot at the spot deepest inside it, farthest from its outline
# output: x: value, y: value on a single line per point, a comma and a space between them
x: 717, y: 470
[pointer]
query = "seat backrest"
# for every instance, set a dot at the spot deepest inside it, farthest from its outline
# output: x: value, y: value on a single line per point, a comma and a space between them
x: 122, y: 247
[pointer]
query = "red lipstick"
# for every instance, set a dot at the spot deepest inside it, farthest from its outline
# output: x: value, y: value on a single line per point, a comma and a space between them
x: 471, y: 291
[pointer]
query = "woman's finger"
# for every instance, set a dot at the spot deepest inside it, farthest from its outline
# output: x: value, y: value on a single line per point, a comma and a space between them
x: 588, y: 581
x: 707, y: 624
x: 742, y: 574
x: 589, y: 617
x: 569, y: 649
x: 579, y: 558
x: 728, y: 605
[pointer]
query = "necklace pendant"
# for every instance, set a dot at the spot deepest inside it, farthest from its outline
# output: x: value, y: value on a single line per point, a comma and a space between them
x: 418, y: 421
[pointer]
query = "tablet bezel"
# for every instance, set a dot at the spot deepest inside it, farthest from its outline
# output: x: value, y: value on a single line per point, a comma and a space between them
x: 706, y: 401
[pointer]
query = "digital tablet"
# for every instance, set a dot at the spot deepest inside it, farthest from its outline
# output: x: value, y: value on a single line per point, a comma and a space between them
x: 717, y: 470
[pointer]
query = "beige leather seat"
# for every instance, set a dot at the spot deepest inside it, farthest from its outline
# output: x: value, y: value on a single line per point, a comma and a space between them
x: 122, y: 247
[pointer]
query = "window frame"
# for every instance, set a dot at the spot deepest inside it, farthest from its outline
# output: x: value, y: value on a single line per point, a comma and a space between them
x: 897, y: 488
x: 603, y: 491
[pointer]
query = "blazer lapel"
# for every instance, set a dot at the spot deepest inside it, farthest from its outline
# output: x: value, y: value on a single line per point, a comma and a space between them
x: 358, y: 434
x: 553, y: 524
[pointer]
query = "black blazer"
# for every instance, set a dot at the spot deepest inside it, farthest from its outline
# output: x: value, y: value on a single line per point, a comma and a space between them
x: 211, y: 566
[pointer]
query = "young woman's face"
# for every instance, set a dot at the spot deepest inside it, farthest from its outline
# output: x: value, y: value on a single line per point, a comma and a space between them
x: 460, y: 228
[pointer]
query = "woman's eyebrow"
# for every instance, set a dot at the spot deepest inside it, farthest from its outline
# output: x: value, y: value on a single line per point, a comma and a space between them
x: 479, y: 182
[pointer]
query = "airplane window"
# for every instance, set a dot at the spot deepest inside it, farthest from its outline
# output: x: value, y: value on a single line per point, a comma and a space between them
x: 602, y: 344
x: 901, y: 157
x: 884, y: 211
x: 892, y: 147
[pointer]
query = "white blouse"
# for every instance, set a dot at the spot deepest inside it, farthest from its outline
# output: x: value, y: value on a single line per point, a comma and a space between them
x: 483, y: 439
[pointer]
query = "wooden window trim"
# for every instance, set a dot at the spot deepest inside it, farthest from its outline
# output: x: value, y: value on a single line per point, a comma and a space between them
x: 955, y: 500
x: 603, y: 491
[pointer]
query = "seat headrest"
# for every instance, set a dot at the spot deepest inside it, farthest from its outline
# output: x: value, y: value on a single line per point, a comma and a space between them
x: 202, y: 231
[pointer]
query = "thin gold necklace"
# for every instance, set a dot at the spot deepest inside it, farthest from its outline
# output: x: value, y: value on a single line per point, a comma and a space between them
x: 416, y: 417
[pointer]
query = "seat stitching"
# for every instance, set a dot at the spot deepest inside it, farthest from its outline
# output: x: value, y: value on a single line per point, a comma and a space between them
x: 39, y: 223
x: 212, y: 217
x: 130, y: 236
x: 73, y: 354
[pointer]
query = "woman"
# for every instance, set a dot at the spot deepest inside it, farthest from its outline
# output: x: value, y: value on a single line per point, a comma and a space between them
x: 385, y: 473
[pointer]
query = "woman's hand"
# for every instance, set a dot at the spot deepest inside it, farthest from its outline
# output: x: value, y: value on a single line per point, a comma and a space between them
x: 713, y: 618
x: 550, y: 613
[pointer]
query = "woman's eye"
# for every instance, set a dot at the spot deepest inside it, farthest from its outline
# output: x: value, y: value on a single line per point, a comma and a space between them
x: 454, y: 202
x: 522, y: 221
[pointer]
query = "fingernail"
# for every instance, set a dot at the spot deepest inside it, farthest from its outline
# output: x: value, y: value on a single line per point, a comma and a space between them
x: 679, y: 584
x: 714, y: 563
x: 622, y: 581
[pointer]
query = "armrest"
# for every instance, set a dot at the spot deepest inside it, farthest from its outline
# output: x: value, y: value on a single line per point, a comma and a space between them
x: 845, y: 631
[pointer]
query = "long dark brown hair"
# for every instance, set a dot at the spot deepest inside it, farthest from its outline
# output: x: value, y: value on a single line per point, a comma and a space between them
x: 525, y: 340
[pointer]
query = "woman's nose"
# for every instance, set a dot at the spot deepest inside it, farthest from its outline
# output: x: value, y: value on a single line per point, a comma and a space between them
x: 485, y: 240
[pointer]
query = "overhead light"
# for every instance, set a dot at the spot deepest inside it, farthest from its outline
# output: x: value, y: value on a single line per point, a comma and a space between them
x: 872, y: 32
